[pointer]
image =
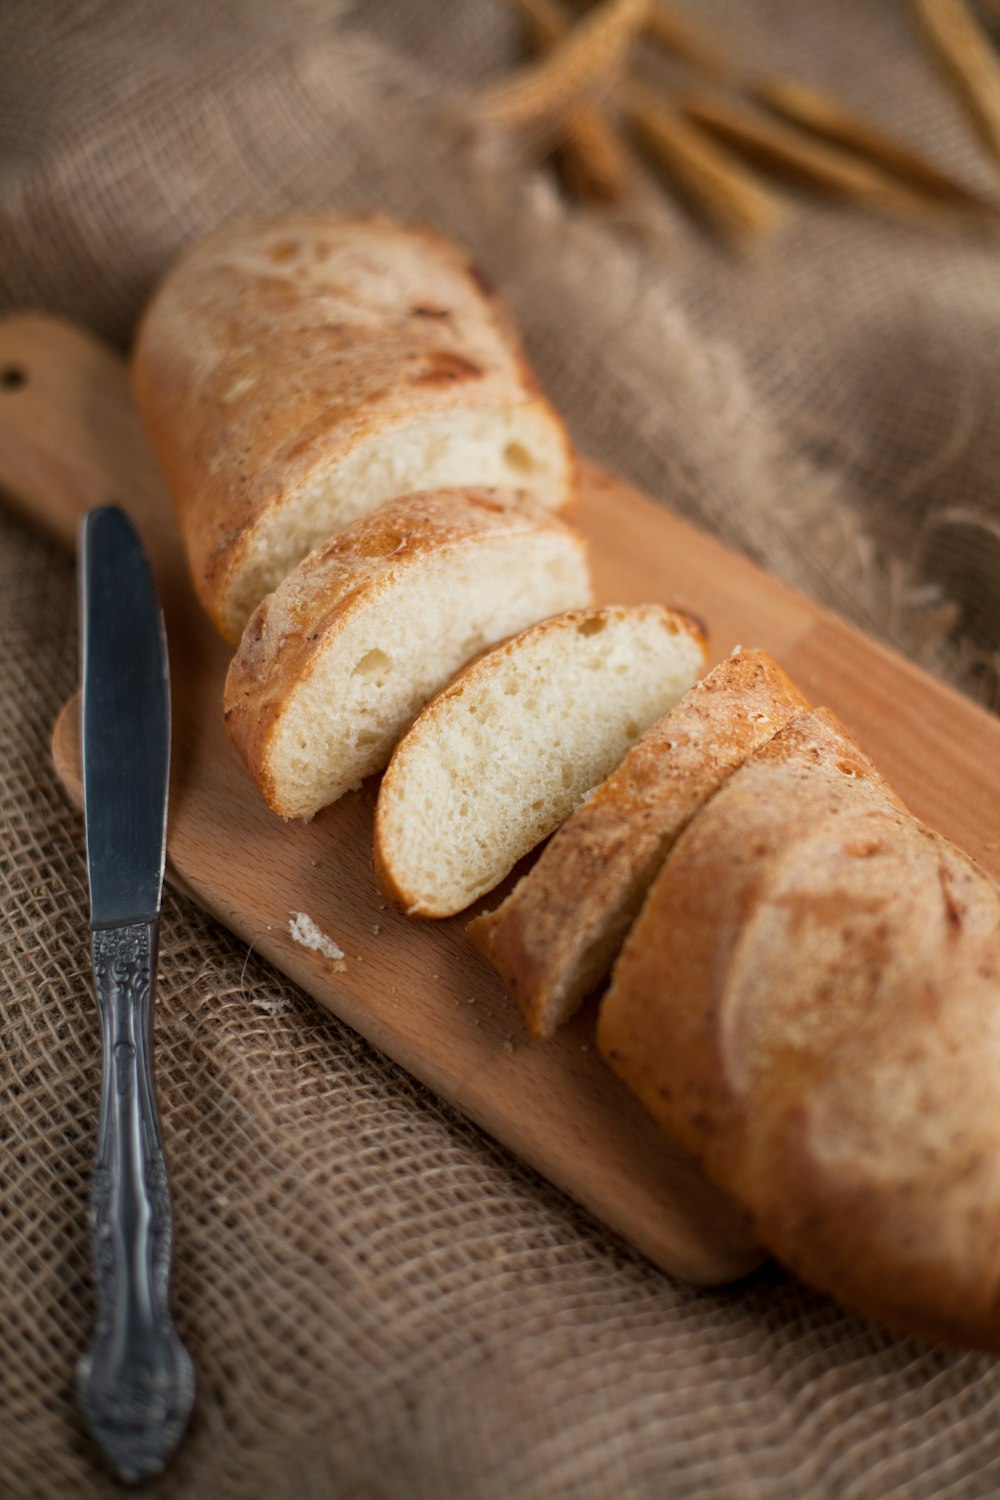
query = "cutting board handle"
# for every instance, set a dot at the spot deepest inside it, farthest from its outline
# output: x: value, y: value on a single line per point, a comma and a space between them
x: 70, y: 436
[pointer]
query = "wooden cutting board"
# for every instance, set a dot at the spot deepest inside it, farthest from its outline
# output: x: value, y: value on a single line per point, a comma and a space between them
x: 70, y: 439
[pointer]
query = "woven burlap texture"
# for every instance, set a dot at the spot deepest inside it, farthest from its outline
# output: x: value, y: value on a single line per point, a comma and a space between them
x: 380, y: 1301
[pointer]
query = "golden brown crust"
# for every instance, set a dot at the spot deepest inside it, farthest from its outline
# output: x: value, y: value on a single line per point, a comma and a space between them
x: 385, y: 879
x: 271, y: 350
x: 684, y: 940
x: 555, y: 936
x: 810, y: 1002
x: 289, y: 630
x: 393, y: 782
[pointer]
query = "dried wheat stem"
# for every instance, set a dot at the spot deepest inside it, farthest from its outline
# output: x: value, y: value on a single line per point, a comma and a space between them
x: 548, y: 21
x: 716, y: 185
x: 794, y: 157
x: 593, y: 158
x: 823, y: 116
x: 964, y: 52
x: 683, y: 39
x: 586, y: 61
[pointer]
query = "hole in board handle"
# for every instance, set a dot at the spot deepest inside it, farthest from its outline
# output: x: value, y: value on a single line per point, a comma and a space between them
x: 12, y: 378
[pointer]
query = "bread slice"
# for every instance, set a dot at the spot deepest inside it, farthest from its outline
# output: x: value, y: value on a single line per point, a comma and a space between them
x: 506, y: 752
x: 557, y: 934
x: 295, y: 374
x: 810, y: 1002
x: 335, y: 663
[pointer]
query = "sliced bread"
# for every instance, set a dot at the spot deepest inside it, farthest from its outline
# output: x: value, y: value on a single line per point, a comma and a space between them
x: 557, y: 933
x: 513, y: 745
x: 334, y: 664
x: 295, y: 374
x: 810, y: 1003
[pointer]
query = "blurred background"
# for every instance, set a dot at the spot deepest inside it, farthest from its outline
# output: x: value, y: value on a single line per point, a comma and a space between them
x: 770, y: 322
x: 753, y: 250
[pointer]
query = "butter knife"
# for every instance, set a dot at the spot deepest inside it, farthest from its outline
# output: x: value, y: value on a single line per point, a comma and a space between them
x: 135, y: 1383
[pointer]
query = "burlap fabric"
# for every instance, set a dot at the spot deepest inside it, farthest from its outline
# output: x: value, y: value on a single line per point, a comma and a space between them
x: 379, y: 1300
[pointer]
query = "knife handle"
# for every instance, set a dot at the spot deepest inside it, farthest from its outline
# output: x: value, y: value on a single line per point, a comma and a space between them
x: 136, y: 1381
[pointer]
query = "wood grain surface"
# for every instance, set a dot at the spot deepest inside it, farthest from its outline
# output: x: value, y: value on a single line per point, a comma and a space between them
x: 70, y: 440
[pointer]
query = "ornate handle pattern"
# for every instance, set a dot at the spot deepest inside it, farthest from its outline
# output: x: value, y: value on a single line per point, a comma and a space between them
x: 136, y: 1381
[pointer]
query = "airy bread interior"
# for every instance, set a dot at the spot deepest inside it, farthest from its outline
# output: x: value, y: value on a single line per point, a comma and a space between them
x: 398, y: 644
x: 506, y: 753
x: 520, y: 446
x: 557, y: 933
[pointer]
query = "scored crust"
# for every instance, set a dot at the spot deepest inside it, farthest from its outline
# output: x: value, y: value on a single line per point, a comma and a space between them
x: 307, y: 617
x: 810, y: 1003
x: 555, y: 936
x: 274, y: 354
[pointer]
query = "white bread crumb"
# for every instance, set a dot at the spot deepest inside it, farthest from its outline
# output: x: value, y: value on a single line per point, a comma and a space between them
x: 305, y: 932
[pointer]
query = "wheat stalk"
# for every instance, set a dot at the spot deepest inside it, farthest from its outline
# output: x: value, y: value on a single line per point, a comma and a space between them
x: 677, y: 35
x: 818, y: 113
x: 735, y: 204
x: 794, y: 157
x: 593, y: 158
x: 585, y: 61
x: 963, y: 50
x: 811, y: 140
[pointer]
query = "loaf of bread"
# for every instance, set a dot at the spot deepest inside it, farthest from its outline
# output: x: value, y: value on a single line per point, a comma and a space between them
x: 334, y: 664
x: 295, y: 374
x: 557, y: 934
x: 810, y: 1003
x: 505, y: 753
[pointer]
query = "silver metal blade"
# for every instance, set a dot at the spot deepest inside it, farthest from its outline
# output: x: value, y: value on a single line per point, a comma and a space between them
x: 126, y: 721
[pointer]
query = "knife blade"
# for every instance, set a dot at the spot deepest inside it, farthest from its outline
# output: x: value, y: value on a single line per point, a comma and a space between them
x: 135, y: 1383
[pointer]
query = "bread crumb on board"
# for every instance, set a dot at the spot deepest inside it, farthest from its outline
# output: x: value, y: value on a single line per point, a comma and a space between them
x: 305, y: 932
